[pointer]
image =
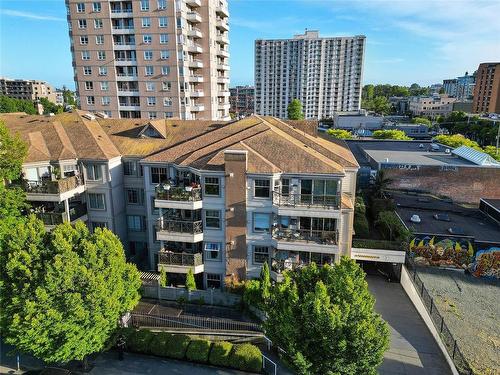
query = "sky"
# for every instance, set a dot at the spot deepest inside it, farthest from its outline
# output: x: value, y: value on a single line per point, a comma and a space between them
x: 408, y: 41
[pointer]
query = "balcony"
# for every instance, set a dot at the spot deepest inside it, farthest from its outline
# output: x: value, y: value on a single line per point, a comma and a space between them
x: 121, y: 13
x: 119, y: 29
x: 296, y: 204
x: 289, y: 261
x: 177, y: 262
x: 194, y: 64
x: 222, y: 10
x: 194, y: 32
x: 193, y: 3
x: 223, y: 53
x: 195, y: 93
x: 222, y: 79
x: 197, y: 108
x: 53, y: 190
x: 224, y: 93
x: 193, y: 17
x: 58, y: 216
x: 222, y: 24
x: 176, y: 230
x: 305, y: 239
x: 224, y: 39
x: 224, y: 106
x: 183, y: 198
x: 194, y: 48
x: 192, y: 78
x: 222, y: 67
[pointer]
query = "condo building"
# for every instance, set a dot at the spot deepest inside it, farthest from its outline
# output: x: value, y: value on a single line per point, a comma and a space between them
x: 487, y: 89
x: 242, y: 100
x: 27, y: 89
x: 216, y: 197
x: 151, y: 59
x: 325, y: 74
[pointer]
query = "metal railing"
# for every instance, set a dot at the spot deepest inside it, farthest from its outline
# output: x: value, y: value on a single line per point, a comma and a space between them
x: 178, y: 194
x: 449, y: 341
x: 55, y: 218
x: 324, y: 237
x: 179, y: 226
x: 53, y: 187
x: 180, y: 259
x: 306, y: 200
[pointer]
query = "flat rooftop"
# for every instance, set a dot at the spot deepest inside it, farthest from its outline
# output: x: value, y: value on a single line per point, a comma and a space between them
x: 472, y: 222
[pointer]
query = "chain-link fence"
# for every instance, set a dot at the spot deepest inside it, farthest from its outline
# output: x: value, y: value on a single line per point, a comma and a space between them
x: 449, y: 341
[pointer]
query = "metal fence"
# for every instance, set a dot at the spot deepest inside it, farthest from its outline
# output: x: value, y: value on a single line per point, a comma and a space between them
x: 449, y: 341
x: 191, y: 322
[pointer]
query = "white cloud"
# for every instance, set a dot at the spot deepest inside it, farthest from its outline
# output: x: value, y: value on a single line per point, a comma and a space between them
x: 395, y: 60
x: 34, y: 16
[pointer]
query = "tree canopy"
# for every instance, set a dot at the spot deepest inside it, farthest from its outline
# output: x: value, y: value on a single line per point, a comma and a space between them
x: 295, y: 110
x: 10, y: 105
x: 390, y: 134
x: 378, y: 104
x: 49, y: 107
x: 63, y: 292
x: 324, y: 318
x: 421, y: 120
x: 12, y: 153
x: 339, y: 133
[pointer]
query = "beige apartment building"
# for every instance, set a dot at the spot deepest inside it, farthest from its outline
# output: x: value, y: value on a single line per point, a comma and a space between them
x: 27, y: 89
x: 432, y: 106
x: 151, y: 58
x: 220, y: 198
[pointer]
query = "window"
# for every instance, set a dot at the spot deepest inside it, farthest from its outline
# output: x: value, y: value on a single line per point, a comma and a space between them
x: 148, y: 55
x: 146, y: 22
x: 98, y: 23
x: 98, y: 224
x: 87, y: 70
x: 130, y: 168
x: 96, y: 7
x: 213, y: 251
x: 136, y: 223
x: 101, y: 55
x: 167, y: 102
x: 82, y: 24
x: 84, y: 40
x: 162, y: 4
x: 90, y: 100
x: 162, y: 22
x: 212, y: 219
x: 99, y: 39
x: 163, y: 38
x: 135, y: 196
x: 260, y: 254
x: 152, y: 115
x: 147, y: 39
x: 94, y: 172
x: 165, y: 70
x: 85, y: 55
x: 151, y: 100
x: 80, y: 7
x: 103, y: 70
x: 214, y: 280
x: 144, y: 4
x: 262, y: 188
x: 212, y: 186
x: 148, y: 70
x: 285, y: 186
x: 166, y: 86
x: 164, y: 55
x: 89, y: 85
x: 261, y: 222
x: 96, y: 201
x: 104, y: 86
x: 150, y: 86
x: 169, y: 114
x: 106, y: 100
x: 158, y: 175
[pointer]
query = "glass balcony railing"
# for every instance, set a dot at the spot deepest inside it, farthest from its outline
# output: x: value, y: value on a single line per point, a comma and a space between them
x: 306, y: 200
x: 323, y: 237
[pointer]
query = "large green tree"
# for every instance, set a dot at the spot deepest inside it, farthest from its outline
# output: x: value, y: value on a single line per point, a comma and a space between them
x: 12, y: 153
x: 324, y: 319
x: 391, y: 134
x: 421, y: 120
x: 10, y: 105
x: 378, y: 104
x: 49, y: 107
x: 339, y: 133
x: 63, y: 292
x: 295, y: 110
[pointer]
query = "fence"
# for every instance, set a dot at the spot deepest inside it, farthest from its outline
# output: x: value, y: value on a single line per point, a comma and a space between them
x: 449, y: 341
x: 191, y: 322
x: 207, y: 297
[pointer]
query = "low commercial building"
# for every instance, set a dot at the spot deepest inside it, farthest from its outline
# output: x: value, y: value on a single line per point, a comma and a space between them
x: 241, y: 100
x: 27, y: 89
x: 219, y: 198
x: 432, y: 106
x: 356, y: 120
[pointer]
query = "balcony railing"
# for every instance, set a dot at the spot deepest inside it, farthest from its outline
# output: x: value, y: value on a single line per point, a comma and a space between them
x: 323, y: 237
x: 55, y: 218
x: 182, y: 194
x: 179, y: 226
x: 53, y: 187
x: 306, y: 200
x: 180, y: 259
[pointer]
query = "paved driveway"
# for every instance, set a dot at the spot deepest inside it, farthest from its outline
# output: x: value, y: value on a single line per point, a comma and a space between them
x: 413, y: 349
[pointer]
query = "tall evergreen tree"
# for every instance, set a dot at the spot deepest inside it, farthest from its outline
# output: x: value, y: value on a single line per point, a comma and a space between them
x: 265, y: 281
x: 190, y: 282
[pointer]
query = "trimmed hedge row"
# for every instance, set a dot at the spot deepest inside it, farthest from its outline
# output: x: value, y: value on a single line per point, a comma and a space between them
x: 245, y: 357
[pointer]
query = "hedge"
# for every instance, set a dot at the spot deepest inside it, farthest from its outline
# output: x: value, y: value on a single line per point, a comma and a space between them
x: 246, y: 357
x: 198, y: 351
x: 220, y: 353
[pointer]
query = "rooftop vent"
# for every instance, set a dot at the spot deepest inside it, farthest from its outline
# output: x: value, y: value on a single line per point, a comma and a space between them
x: 101, y: 115
x: 447, y: 151
x: 474, y: 156
x: 89, y: 116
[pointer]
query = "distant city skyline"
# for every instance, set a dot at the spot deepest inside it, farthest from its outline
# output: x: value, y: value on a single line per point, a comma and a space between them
x: 423, y: 42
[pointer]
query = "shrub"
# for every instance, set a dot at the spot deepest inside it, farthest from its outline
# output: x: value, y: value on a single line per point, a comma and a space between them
x: 176, y: 345
x: 253, y: 295
x: 246, y: 357
x: 139, y: 341
x: 198, y: 351
x: 219, y: 355
x: 158, y: 345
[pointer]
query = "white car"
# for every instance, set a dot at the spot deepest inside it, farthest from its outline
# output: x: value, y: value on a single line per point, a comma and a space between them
x: 415, y: 219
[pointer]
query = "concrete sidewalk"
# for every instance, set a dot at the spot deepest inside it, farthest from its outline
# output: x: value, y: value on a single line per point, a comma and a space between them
x: 413, y: 349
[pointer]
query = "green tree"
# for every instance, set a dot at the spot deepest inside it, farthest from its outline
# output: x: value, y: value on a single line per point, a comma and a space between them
x: 391, y: 134
x: 56, y: 302
x: 190, y: 282
x: 381, y: 183
x: 68, y: 97
x: 421, y: 120
x: 368, y: 92
x: 361, y: 226
x: 339, y: 133
x: 456, y: 140
x: 324, y: 319
x: 49, y: 107
x: 295, y: 110
x: 163, y: 277
x: 391, y: 225
x: 10, y: 105
x: 265, y: 281
x: 12, y: 153
x: 493, y: 152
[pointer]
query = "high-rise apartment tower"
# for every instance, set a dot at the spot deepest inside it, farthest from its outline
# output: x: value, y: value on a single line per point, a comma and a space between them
x: 151, y: 58
x: 325, y: 74
x: 487, y: 89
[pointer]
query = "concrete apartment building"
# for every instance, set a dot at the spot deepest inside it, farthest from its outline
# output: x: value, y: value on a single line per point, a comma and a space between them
x: 27, y: 89
x: 450, y: 87
x: 461, y: 88
x: 487, y: 89
x: 325, y: 74
x: 432, y: 106
x: 151, y: 58
x: 220, y: 198
x: 242, y: 100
